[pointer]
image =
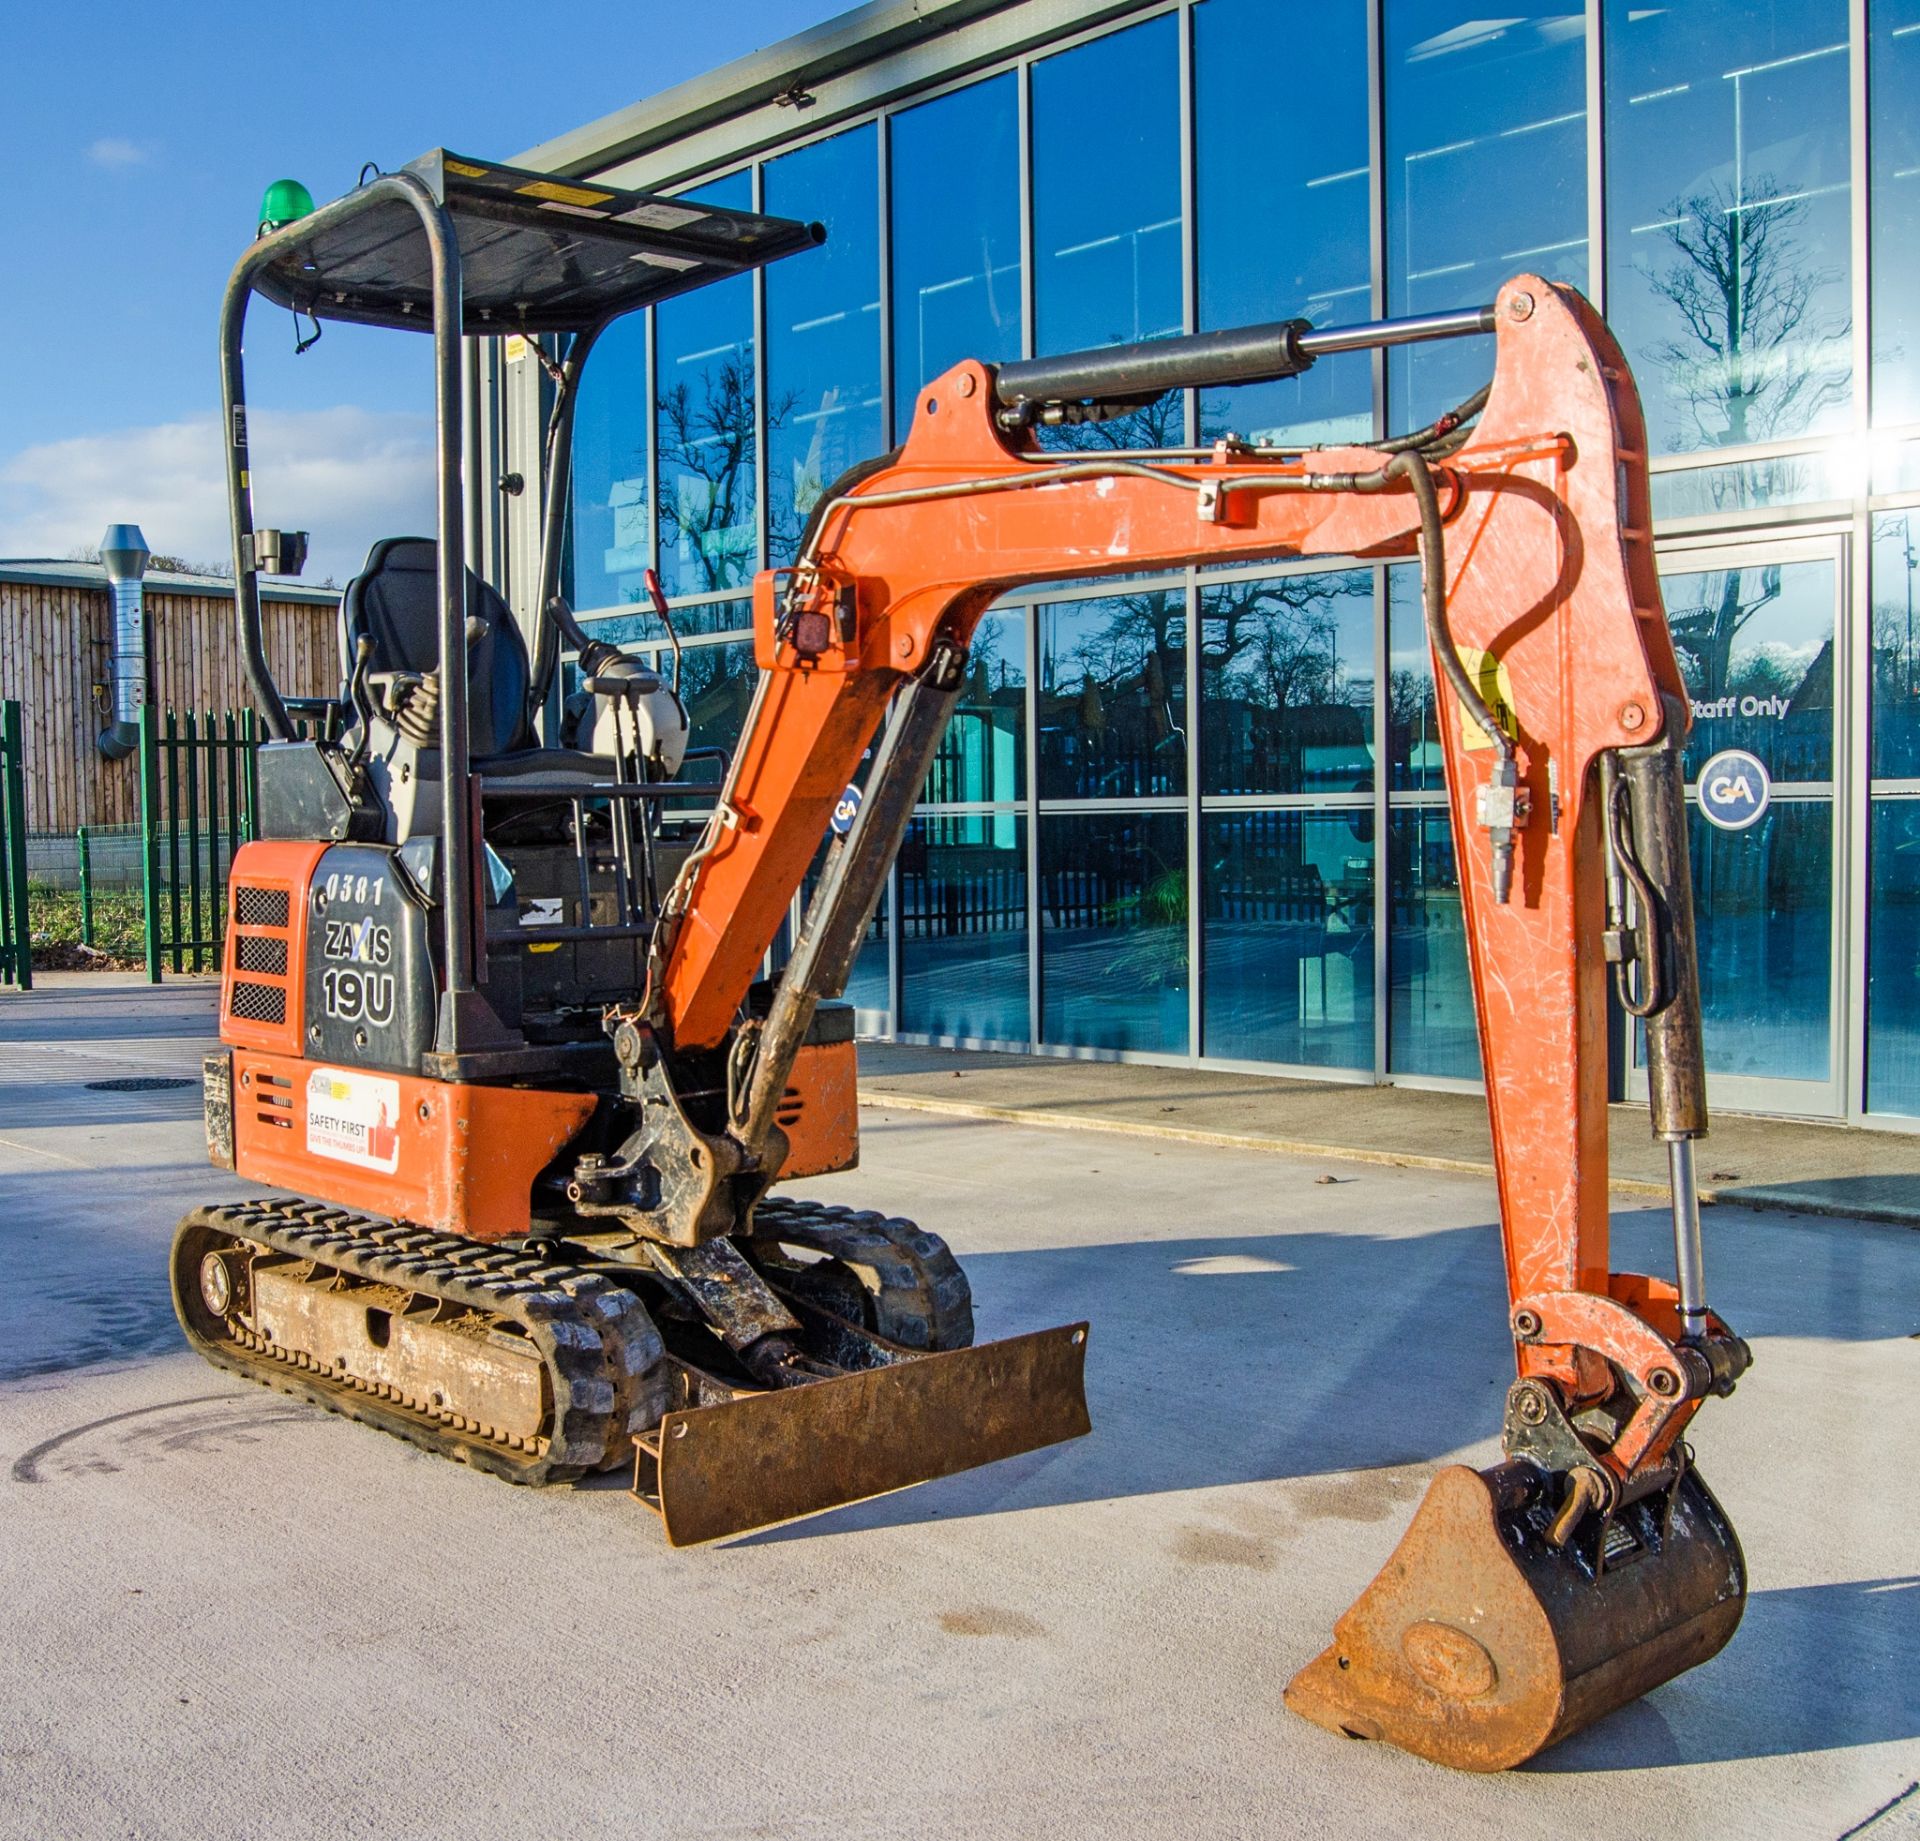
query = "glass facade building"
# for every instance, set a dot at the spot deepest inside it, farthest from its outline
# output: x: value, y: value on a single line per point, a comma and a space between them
x: 1200, y: 815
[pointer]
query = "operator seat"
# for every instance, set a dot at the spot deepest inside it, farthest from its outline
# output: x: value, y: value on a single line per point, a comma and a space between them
x: 395, y: 602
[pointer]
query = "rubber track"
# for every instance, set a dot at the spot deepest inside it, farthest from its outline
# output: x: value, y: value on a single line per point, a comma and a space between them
x: 601, y: 1350
x: 923, y: 1301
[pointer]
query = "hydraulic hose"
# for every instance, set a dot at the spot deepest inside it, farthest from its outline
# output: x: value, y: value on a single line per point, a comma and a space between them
x: 1410, y: 464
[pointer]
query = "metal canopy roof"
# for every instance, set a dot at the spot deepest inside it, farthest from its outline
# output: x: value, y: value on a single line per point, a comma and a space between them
x: 537, y: 253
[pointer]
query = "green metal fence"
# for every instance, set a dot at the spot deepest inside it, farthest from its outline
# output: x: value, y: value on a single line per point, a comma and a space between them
x: 16, y: 931
x: 197, y: 791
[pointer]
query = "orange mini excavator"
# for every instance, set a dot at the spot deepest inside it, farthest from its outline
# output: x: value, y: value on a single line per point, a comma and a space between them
x: 498, y: 1013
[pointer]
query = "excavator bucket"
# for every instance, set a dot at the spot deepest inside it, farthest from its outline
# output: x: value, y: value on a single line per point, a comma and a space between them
x: 1481, y: 1643
x: 759, y: 1458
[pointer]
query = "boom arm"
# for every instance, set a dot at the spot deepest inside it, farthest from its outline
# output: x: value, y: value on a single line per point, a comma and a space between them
x: 1561, y: 704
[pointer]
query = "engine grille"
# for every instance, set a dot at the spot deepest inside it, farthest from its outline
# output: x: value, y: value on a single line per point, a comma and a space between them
x: 260, y: 907
x: 254, y: 954
x: 258, y: 1003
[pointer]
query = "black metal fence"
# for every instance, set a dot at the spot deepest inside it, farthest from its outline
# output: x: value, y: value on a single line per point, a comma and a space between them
x: 16, y: 930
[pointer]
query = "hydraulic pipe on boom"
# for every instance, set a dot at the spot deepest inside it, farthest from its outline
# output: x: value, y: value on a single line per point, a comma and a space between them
x: 1593, y: 1564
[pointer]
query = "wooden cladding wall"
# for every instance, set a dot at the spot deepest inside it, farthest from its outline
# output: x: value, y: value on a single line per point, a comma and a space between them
x: 56, y: 656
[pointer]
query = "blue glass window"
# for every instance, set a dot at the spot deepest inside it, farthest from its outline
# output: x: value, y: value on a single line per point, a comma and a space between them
x: 1113, y: 918
x: 641, y: 625
x: 704, y: 426
x: 1893, y: 69
x: 955, y: 248
x: 983, y: 755
x: 1431, y: 1027
x: 1286, y: 683
x: 1113, y: 697
x: 1763, y: 912
x: 1286, y: 937
x: 1486, y: 173
x: 1756, y: 649
x: 823, y: 330
x: 1896, y: 661
x: 612, y: 499
x: 1893, y: 959
x: 869, y: 982
x: 1728, y: 218
x: 716, y: 685
x: 1416, y: 760
x: 963, y: 927
x: 1107, y: 220
x: 1288, y: 237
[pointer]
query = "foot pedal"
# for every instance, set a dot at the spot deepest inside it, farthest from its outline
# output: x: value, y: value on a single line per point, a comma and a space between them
x: 1481, y: 1643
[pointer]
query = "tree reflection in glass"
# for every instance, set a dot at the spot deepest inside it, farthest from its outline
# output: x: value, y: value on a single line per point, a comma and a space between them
x: 1113, y: 697
x: 1755, y: 646
x: 1286, y: 673
x: 704, y: 433
x: 1728, y: 218
x: 1896, y: 660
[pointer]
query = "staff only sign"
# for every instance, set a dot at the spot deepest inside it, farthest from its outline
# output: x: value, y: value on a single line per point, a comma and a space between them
x: 1734, y: 790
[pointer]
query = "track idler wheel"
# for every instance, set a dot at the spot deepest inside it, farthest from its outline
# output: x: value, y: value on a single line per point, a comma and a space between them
x: 1481, y: 1643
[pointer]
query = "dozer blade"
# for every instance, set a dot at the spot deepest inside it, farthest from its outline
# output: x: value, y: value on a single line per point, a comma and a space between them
x: 718, y: 1470
x: 1481, y: 1643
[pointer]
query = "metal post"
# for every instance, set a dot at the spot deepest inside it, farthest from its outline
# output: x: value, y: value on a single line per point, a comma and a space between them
x: 86, y: 886
x: 149, y: 843
x: 15, y: 921
x: 191, y: 939
x: 558, y: 485
x: 249, y: 773
x: 170, y: 748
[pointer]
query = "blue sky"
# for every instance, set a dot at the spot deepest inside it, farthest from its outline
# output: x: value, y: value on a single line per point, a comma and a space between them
x: 137, y: 140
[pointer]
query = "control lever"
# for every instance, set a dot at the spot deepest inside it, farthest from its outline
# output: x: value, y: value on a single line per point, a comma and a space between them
x: 657, y: 596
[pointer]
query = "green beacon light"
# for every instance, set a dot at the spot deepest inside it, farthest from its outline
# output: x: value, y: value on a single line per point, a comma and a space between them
x: 286, y: 202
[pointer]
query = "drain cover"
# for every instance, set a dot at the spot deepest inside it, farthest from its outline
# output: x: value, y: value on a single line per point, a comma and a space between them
x: 139, y: 1083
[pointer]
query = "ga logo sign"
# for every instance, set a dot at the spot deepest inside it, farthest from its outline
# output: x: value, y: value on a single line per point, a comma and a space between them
x: 1734, y: 790
x: 846, y: 809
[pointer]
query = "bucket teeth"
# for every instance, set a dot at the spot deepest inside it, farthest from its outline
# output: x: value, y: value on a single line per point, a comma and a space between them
x: 1480, y: 1643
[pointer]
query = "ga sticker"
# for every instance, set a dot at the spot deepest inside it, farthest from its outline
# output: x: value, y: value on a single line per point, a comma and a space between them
x: 354, y: 1118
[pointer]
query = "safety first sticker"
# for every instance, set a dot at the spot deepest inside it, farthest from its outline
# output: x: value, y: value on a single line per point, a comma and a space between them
x: 354, y: 1118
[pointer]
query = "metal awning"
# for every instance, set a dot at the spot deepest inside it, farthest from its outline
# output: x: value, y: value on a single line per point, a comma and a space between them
x: 537, y: 253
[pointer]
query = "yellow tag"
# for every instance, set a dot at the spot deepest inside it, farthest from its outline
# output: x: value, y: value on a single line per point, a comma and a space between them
x: 550, y: 946
x: 1489, y: 676
x: 515, y: 346
x: 465, y: 171
x: 556, y: 193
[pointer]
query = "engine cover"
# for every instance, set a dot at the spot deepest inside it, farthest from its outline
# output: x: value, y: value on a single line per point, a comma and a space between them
x: 370, y: 980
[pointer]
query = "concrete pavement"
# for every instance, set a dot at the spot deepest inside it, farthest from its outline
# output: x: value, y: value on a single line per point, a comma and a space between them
x: 1791, y: 1164
x: 229, y: 1614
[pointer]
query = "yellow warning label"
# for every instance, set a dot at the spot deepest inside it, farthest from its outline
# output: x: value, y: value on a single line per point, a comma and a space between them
x: 515, y: 346
x: 556, y: 193
x: 1490, y: 678
x: 465, y: 171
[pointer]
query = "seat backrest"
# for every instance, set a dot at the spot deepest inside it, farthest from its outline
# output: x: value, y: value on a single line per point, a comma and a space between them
x: 395, y: 601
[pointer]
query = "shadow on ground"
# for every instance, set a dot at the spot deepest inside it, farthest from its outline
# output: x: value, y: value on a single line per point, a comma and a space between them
x: 124, y: 1013
x: 1850, y: 1646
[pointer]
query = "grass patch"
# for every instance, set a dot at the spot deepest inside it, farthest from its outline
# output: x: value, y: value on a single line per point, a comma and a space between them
x: 119, y: 929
